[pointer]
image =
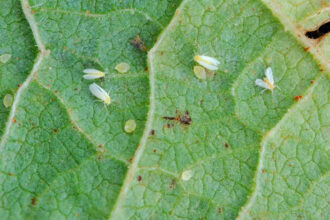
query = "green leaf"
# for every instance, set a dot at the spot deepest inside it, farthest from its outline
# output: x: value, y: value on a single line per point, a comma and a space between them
x: 214, y: 148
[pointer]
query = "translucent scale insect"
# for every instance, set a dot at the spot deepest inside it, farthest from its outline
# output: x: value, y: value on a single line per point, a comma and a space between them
x: 268, y: 81
x: 100, y: 93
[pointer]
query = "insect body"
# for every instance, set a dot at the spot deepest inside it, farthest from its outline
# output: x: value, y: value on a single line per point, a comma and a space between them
x: 183, y: 119
x: 100, y: 93
x: 130, y: 126
x: 268, y: 81
x: 138, y: 43
x: 207, y: 62
x: 93, y: 74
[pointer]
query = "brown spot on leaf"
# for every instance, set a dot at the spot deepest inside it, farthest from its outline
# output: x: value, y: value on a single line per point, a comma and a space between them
x: 154, y: 150
x: 226, y: 145
x: 219, y: 210
x: 297, y: 97
x: 312, y: 81
x: 139, y: 178
x: 55, y: 130
x: 306, y: 49
x: 152, y: 132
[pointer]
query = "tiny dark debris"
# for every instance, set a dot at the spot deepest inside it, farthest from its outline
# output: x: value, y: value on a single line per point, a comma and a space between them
x: 226, y: 145
x: 219, y: 210
x: 154, y: 150
x: 99, y: 157
x: 33, y: 201
x: 184, y: 119
x: 138, y: 43
x: 139, y: 178
x: 321, y: 31
x: 312, y: 81
x: 152, y: 132
x: 55, y: 130
x: 172, y: 184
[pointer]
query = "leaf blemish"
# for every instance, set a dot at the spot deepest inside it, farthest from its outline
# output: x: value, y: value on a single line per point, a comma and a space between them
x: 139, y: 178
x: 297, y: 97
x: 319, y: 32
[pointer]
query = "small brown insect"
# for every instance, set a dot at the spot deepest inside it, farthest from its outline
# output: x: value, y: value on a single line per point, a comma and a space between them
x: 184, y: 119
x: 138, y: 43
x: 139, y: 178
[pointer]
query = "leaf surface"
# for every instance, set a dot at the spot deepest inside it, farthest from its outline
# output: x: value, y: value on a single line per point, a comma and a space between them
x: 217, y: 148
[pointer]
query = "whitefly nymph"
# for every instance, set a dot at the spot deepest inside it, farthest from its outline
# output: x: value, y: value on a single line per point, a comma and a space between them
x: 268, y: 81
x: 91, y: 74
x: 209, y: 63
x: 100, y: 93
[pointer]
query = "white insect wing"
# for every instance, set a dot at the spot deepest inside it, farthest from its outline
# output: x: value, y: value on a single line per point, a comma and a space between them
x: 91, y: 71
x: 269, y: 75
x: 262, y: 84
x: 91, y: 76
x: 211, y: 59
x: 208, y: 62
x: 98, y: 91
